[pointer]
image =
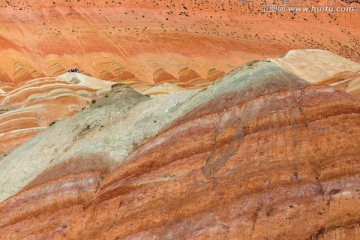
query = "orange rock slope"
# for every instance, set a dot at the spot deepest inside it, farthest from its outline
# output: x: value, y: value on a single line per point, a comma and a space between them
x: 154, y: 42
x: 260, y: 154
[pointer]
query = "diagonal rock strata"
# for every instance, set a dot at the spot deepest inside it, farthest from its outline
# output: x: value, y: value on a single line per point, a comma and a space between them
x: 257, y: 149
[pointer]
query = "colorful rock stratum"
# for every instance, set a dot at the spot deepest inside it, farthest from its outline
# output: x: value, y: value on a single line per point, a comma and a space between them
x: 259, y: 154
x: 160, y: 136
x: 152, y: 41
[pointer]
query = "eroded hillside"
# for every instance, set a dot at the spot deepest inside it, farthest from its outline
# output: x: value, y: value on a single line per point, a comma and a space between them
x: 259, y: 148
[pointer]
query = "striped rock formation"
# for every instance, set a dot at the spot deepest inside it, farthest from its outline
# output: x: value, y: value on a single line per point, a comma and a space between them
x: 260, y: 154
x: 36, y: 104
x: 347, y: 81
x: 163, y: 89
x: 32, y: 106
x: 323, y: 67
x: 120, y: 40
x: 189, y: 78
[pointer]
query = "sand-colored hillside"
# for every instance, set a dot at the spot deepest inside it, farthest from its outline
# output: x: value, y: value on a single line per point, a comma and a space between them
x: 316, y: 65
x: 323, y: 67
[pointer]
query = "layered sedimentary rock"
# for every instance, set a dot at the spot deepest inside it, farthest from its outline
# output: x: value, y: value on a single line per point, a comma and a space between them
x: 315, y: 65
x: 323, y: 67
x: 38, y: 103
x: 163, y: 89
x: 189, y: 78
x: 161, y: 76
x: 214, y: 74
x: 260, y: 154
x: 121, y: 39
x: 34, y: 101
x: 347, y: 81
x: 30, y: 107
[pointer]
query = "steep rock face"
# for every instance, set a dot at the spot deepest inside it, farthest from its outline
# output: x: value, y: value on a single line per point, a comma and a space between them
x: 259, y: 148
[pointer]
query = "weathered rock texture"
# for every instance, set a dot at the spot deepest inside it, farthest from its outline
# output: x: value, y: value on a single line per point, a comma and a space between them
x: 260, y: 154
x: 149, y: 44
x: 127, y: 40
x: 30, y: 107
